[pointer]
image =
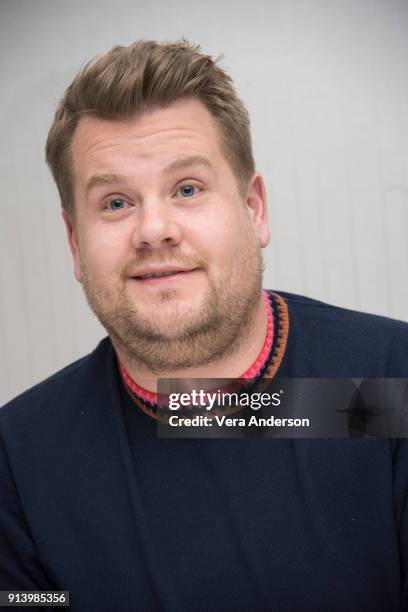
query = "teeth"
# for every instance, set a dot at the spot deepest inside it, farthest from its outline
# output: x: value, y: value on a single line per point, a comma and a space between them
x: 159, y: 274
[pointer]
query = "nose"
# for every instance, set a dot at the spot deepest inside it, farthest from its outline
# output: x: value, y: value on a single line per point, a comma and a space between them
x: 156, y: 226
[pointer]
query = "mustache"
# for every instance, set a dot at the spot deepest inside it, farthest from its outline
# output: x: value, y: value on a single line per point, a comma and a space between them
x: 156, y: 259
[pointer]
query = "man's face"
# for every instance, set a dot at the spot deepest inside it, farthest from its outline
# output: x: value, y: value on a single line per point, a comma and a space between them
x: 155, y: 195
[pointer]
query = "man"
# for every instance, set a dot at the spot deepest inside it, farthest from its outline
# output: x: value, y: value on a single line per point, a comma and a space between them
x: 166, y: 218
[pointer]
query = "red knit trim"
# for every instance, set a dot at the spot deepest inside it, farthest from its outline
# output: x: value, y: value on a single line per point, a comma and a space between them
x: 251, y: 372
x: 260, y: 361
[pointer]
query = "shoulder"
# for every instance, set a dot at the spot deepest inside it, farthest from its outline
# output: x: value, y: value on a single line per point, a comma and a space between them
x: 60, y: 391
x: 340, y: 335
x: 321, y: 313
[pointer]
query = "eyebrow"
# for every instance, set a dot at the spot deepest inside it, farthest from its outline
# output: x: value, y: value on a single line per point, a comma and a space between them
x: 186, y: 162
x: 107, y: 178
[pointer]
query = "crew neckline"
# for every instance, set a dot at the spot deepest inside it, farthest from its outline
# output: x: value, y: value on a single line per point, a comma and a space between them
x: 265, y: 366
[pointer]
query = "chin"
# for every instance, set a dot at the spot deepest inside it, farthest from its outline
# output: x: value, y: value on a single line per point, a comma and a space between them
x: 174, y: 306
x: 174, y: 326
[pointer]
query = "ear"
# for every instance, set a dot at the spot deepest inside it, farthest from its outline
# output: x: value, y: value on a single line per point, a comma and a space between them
x: 257, y: 208
x: 73, y: 243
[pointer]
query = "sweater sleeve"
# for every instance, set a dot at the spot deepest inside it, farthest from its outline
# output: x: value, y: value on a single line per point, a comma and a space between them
x: 20, y: 567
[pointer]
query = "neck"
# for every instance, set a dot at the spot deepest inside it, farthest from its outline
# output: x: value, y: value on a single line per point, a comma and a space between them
x: 231, y: 365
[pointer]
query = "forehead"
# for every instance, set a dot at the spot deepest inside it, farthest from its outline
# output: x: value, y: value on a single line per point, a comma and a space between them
x: 185, y: 127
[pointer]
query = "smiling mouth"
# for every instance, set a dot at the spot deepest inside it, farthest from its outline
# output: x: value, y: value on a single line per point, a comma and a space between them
x: 159, y: 274
x: 160, y: 277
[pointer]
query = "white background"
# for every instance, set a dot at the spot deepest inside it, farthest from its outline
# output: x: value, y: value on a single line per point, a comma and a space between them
x: 326, y: 85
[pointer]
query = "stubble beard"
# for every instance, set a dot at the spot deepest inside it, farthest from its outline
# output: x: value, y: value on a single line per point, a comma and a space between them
x: 198, y: 339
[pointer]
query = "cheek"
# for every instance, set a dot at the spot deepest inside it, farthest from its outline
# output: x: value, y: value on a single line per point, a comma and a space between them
x: 103, y: 252
x: 242, y: 250
x: 228, y: 251
x: 221, y: 232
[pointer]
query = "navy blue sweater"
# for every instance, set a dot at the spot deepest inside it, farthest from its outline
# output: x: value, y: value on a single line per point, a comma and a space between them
x: 92, y: 502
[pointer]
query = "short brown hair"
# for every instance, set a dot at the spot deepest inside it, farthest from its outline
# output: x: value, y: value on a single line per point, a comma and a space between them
x: 143, y: 76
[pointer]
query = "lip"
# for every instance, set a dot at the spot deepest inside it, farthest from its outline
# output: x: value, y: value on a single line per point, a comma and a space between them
x: 162, y: 268
x: 160, y: 280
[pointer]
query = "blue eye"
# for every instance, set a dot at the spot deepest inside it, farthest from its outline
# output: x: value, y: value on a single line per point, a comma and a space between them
x: 116, y: 204
x: 188, y: 190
